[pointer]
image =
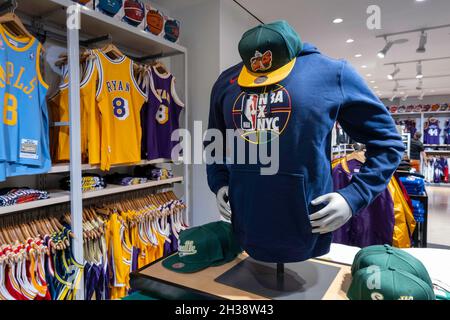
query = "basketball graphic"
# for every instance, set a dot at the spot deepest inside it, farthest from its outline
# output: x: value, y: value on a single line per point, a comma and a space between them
x: 155, y: 22
x: 172, y: 30
x: 262, y: 117
x: 134, y: 12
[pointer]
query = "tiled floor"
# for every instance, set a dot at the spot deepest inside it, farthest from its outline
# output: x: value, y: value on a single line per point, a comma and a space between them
x: 439, y: 215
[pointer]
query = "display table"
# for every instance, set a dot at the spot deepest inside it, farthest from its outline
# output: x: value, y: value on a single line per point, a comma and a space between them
x: 241, y: 278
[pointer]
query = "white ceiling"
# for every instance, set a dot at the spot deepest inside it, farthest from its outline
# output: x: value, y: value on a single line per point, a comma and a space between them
x: 313, y: 21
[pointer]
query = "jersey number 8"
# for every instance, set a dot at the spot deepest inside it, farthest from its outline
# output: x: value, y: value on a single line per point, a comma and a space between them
x: 121, y: 108
x: 10, y: 110
x: 162, y: 116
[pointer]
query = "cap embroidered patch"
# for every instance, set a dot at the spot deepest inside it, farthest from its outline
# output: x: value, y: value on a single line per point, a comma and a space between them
x: 261, y: 62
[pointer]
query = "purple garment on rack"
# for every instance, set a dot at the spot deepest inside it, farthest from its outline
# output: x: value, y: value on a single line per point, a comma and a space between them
x: 167, y: 249
x: 374, y: 225
x: 134, y: 261
x: 173, y: 238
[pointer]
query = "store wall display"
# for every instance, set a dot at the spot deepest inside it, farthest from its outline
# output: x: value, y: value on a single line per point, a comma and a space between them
x: 436, y: 169
x: 24, y: 125
x: 128, y: 111
x: 294, y: 83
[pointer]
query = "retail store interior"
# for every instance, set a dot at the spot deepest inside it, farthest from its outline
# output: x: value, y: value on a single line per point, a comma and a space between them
x: 96, y: 205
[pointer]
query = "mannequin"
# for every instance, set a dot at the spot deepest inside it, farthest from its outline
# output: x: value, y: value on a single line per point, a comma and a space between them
x: 333, y: 216
x: 286, y: 97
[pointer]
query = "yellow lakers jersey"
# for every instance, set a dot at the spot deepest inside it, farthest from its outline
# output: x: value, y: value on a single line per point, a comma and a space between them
x: 89, y: 115
x: 120, y: 101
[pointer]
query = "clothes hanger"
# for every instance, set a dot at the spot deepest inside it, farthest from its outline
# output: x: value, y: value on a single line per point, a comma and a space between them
x: 357, y: 155
x: 13, y: 24
x: 112, y: 51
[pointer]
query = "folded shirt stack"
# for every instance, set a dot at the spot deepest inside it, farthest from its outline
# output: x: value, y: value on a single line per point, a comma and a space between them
x: 125, y: 179
x: 414, y: 185
x: 90, y: 182
x: 12, y: 196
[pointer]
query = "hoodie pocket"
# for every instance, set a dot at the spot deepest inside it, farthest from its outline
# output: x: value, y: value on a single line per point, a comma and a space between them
x: 270, y: 211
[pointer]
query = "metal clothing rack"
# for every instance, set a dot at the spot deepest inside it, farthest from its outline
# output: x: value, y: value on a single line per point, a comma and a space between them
x: 48, y: 19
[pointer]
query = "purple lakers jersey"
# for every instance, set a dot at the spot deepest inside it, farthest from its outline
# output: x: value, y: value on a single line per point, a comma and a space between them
x: 432, y: 133
x: 160, y: 116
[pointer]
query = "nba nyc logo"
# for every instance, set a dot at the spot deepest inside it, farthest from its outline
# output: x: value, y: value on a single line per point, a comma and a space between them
x: 73, y: 17
x: 373, y: 22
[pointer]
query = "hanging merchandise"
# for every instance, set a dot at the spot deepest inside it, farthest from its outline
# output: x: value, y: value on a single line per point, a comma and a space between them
x: 36, y: 261
x: 172, y: 30
x: 388, y: 220
x: 138, y: 231
x: 436, y: 169
x: 89, y: 113
x: 160, y: 120
x: 120, y: 101
x: 432, y: 131
x: 447, y: 132
x: 134, y: 12
x: 24, y: 127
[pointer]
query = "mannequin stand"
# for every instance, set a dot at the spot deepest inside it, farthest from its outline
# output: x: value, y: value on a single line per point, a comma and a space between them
x: 301, y: 280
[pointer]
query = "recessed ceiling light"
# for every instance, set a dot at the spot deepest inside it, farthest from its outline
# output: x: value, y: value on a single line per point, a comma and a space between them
x: 359, y: 55
x: 420, y: 0
x: 369, y: 74
x: 338, y: 20
x: 376, y: 87
x: 373, y: 81
x: 433, y: 90
x: 350, y: 40
x: 364, y: 66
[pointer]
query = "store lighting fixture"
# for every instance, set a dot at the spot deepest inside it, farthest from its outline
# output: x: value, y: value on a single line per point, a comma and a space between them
x: 369, y: 75
x: 422, y: 42
x: 422, y: 94
x: 405, y: 97
x: 350, y: 40
x: 373, y: 81
x: 364, y: 66
x: 338, y: 20
x: 393, y: 97
x: 397, y: 85
x: 420, y: 85
x: 358, y: 55
x: 376, y: 87
x: 419, y: 70
x: 393, y: 74
x: 382, y: 54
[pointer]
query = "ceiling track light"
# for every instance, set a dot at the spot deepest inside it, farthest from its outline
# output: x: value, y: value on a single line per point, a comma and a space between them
x: 388, y: 46
x: 420, y: 85
x: 419, y: 70
x: 422, y: 42
x: 393, y: 74
x: 422, y: 94
x: 405, y: 97
x: 393, y: 97
x: 397, y: 86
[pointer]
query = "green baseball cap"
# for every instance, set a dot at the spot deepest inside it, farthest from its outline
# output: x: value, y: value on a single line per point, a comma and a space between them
x: 374, y: 283
x: 385, y: 256
x: 224, y: 231
x: 269, y: 52
x: 202, y: 247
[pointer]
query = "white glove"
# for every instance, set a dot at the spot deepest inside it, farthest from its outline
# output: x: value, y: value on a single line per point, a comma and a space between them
x: 333, y: 216
x: 223, y: 204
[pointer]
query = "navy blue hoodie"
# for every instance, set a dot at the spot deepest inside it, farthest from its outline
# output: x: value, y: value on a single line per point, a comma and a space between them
x: 270, y: 212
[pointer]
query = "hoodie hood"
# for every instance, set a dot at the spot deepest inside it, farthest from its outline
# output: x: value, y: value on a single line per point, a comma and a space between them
x: 308, y: 48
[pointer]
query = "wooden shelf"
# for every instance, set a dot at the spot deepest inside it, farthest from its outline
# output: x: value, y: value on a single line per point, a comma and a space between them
x: 95, y: 24
x: 65, y: 167
x: 59, y: 196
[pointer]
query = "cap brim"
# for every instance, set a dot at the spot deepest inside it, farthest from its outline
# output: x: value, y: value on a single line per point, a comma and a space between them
x: 251, y: 79
x: 175, y: 264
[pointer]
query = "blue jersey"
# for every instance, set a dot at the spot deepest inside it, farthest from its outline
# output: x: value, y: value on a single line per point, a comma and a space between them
x: 24, y: 117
